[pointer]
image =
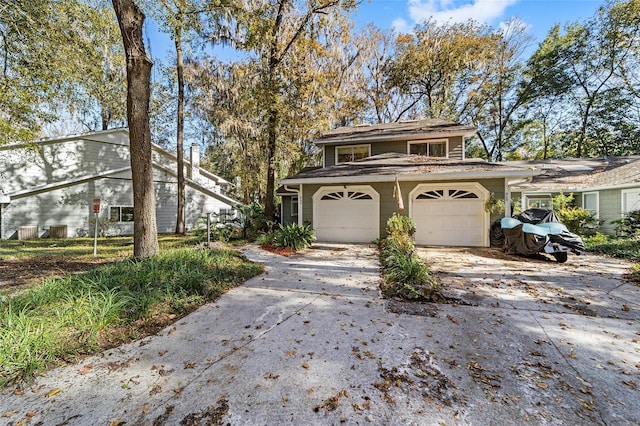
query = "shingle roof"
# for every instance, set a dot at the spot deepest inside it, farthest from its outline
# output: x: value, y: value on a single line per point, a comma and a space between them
x: 385, y: 167
x: 582, y: 173
x: 398, y: 130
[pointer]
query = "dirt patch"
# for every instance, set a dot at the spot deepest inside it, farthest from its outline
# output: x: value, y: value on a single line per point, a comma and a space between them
x: 19, y: 273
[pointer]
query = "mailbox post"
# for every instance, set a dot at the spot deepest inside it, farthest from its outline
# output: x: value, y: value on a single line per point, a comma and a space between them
x: 95, y: 207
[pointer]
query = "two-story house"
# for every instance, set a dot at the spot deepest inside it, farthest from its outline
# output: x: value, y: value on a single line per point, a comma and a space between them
x: 417, y: 167
x: 48, y: 187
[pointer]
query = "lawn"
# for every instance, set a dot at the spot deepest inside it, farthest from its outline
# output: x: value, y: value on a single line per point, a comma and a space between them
x: 56, y: 319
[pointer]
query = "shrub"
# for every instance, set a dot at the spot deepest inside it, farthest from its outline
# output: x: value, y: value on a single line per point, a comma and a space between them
x: 294, y: 236
x: 400, y: 224
x: 576, y: 219
x: 405, y: 275
x: 629, y: 225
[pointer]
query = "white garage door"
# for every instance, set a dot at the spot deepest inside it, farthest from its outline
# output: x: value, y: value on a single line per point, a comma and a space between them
x: 349, y: 214
x: 450, y: 215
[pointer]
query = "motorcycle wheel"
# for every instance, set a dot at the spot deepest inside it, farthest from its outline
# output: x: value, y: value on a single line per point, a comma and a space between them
x: 561, y: 256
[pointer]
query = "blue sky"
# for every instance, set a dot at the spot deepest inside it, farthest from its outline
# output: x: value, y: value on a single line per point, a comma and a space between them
x: 402, y: 15
x: 538, y: 15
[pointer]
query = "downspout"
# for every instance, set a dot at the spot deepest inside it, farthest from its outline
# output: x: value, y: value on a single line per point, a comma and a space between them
x: 507, y: 192
x: 299, y: 193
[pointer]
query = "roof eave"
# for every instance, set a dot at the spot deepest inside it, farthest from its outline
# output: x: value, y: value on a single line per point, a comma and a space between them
x: 355, y: 138
x: 411, y: 177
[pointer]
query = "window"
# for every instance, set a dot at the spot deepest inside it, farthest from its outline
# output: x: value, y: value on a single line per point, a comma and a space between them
x: 630, y: 200
x: 590, y: 203
x: 121, y: 214
x: 294, y: 206
x: 434, y: 148
x: 539, y: 201
x: 344, y: 154
x: 226, y: 215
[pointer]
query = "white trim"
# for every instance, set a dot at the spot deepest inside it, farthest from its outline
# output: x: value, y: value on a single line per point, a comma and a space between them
x: 597, y: 194
x: 336, y: 161
x: 300, y: 221
x: 343, y: 188
x: 324, y: 156
x: 394, y: 137
x: 476, y: 186
x: 540, y: 195
x: 622, y: 194
x: 429, y: 142
x: 412, y: 177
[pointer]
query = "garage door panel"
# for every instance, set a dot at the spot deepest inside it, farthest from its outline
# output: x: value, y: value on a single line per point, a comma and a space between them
x: 346, y: 215
x: 452, y: 216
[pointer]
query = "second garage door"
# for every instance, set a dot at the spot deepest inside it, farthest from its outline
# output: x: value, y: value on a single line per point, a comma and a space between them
x: 350, y: 214
x: 450, y: 214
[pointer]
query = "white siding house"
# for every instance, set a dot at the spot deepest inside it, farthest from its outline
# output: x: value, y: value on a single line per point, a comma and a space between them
x: 52, y: 182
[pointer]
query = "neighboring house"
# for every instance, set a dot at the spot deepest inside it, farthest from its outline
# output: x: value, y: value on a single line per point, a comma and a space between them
x: 607, y: 187
x: 352, y: 195
x: 47, y: 186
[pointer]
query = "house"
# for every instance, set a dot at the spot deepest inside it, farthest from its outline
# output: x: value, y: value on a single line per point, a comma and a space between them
x: 607, y: 187
x: 47, y: 187
x: 371, y: 171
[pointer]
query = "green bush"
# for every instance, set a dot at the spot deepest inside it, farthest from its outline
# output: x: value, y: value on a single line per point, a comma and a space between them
x: 629, y: 225
x: 405, y: 275
x: 576, y: 219
x: 624, y: 247
x: 400, y: 224
x: 294, y: 236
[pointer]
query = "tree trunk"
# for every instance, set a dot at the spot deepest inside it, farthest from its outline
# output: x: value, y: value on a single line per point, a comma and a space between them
x: 145, y: 232
x: 180, y: 131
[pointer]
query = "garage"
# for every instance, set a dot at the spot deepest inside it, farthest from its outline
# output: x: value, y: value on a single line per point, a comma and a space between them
x: 450, y: 214
x: 346, y: 214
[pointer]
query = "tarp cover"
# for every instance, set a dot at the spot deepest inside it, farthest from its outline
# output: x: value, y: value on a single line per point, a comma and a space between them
x: 537, y: 216
x: 523, y: 243
x: 528, y: 243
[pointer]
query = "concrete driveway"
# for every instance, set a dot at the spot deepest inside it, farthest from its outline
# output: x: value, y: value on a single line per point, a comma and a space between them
x: 311, y: 342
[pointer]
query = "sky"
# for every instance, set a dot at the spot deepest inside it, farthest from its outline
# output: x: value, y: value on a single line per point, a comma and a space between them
x: 402, y: 15
x: 538, y: 15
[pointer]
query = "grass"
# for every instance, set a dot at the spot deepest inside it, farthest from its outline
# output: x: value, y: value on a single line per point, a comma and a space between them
x: 82, y: 314
x: 108, y: 247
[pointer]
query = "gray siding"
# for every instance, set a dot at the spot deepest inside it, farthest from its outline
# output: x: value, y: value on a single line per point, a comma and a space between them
x: 55, y: 162
x: 456, y: 148
x: 388, y: 205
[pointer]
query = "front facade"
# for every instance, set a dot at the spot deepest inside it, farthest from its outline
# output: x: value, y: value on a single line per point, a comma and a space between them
x: 48, y: 187
x: 608, y: 187
x: 416, y: 168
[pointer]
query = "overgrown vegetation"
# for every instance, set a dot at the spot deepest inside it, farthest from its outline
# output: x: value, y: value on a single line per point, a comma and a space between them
x: 623, y: 247
x: 82, y: 314
x: 628, y: 226
x: 405, y: 275
x: 576, y: 219
x: 294, y: 236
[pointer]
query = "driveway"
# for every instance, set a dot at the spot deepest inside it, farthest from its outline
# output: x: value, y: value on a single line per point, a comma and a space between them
x: 311, y: 342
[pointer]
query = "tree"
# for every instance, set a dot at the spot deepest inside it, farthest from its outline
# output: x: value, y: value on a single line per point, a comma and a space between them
x: 145, y: 234
x: 271, y: 31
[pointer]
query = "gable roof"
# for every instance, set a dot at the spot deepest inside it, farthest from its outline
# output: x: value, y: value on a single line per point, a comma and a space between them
x: 582, y: 173
x: 119, y: 136
x: 385, y: 168
x: 401, y: 130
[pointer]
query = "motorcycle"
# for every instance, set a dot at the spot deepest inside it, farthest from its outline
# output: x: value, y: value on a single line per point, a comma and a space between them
x: 539, y: 231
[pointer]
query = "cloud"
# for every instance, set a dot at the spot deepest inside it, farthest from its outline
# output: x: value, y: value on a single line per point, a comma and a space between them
x: 483, y: 11
x: 400, y: 26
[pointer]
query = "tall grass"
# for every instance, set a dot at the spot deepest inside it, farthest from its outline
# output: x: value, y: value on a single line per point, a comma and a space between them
x: 80, y: 314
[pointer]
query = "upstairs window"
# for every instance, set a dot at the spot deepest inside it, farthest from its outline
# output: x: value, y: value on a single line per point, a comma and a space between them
x: 345, y: 154
x: 121, y: 214
x: 433, y: 148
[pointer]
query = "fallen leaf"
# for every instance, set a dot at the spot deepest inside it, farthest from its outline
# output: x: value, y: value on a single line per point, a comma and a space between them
x: 54, y: 392
x: 625, y: 307
x: 9, y: 413
x: 85, y: 369
x: 452, y: 319
x: 116, y: 422
x: 542, y: 385
x: 305, y: 365
x: 290, y: 353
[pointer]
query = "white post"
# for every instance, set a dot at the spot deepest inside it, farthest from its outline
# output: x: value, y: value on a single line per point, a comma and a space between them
x: 208, y: 208
x: 208, y: 229
x: 95, y: 236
